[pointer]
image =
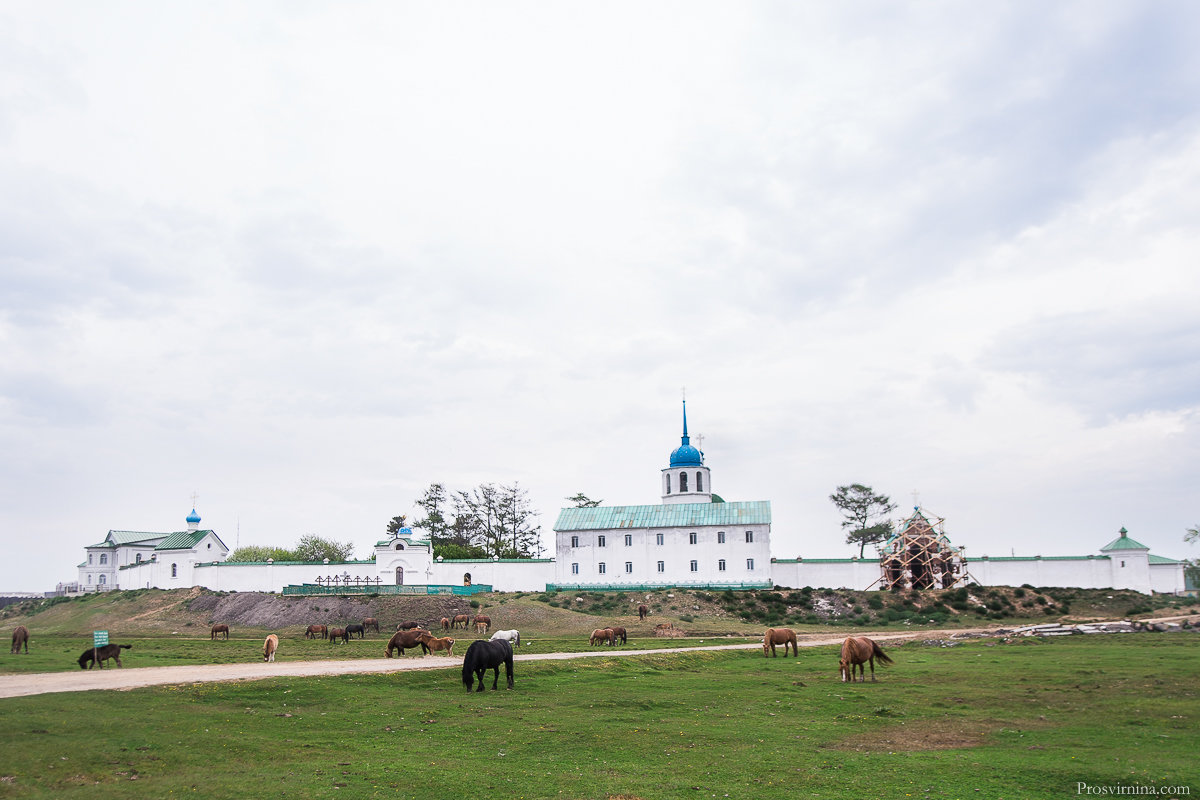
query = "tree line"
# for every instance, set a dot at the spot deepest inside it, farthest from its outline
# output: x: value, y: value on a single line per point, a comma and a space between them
x: 310, y: 548
x: 484, y: 522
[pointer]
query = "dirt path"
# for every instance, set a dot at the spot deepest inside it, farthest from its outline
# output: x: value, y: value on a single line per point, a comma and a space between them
x: 137, y: 677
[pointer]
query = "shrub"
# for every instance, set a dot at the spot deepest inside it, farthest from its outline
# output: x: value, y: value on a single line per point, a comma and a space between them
x: 875, y: 603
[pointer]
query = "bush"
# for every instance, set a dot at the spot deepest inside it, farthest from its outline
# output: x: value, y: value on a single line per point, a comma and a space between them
x: 474, y: 604
x: 875, y: 603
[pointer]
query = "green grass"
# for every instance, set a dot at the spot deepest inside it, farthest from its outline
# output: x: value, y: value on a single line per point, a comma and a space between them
x: 981, y: 720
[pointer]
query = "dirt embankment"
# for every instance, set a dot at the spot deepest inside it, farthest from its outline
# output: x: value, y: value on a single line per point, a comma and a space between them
x: 268, y: 611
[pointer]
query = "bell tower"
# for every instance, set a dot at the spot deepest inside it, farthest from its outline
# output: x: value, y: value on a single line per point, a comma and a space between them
x: 686, y: 479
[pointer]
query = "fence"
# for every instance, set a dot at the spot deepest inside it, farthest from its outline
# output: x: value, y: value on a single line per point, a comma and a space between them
x: 371, y: 587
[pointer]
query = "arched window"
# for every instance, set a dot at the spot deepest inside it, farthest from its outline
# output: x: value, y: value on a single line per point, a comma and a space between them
x: 174, y: 570
x: 466, y: 579
x: 695, y: 566
x: 721, y: 565
x: 602, y: 567
x: 399, y: 576
x: 104, y: 578
x: 104, y: 558
x: 668, y: 476
x: 137, y: 559
x: 399, y: 545
x: 683, y: 482
x: 699, y: 481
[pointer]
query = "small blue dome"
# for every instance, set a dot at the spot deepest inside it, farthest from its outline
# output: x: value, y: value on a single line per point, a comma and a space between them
x: 193, y: 517
x: 686, y: 456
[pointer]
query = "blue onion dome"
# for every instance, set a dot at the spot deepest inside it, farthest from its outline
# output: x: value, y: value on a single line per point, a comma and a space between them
x: 193, y: 517
x: 685, y: 455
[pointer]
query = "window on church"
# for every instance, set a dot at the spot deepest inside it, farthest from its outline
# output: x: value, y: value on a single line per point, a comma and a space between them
x: 104, y: 579
x: 721, y: 565
x: 699, y: 481
x: 137, y: 559
x: 692, y: 537
x: 89, y: 578
x: 574, y: 569
x: 720, y: 537
x: 750, y: 564
x: 662, y: 567
x: 749, y: 537
x: 683, y: 481
x: 658, y: 538
x: 668, y: 476
x: 104, y: 558
x: 629, y: 540
x: 90, y: 557
x: 174, y: 570
x: 694, y: 566
x: 600, y: 541
x: 574, y: 541
x: 628, y: 567
x: 602, y: 567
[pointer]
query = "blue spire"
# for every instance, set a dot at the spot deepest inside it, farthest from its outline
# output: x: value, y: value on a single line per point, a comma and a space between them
x: 685, y: 455
x: 686, y: 440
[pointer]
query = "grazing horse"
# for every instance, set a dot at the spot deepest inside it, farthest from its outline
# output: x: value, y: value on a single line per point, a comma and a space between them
x: 664, y: 626
x: 783, y: 636
x: 460, y: 621
x: 445, y: 623
x: 407, y: 626
x: 642, y: 611
x: 316, y: 632
x: 370, y: 623
x: 409, y: 639
x: 338, y: 633
x: 20, y: 637
x: 512, y: 637
x: 484, y: 655
x: 270, y: 645
x: 434, y: 643
x: 619, y: 633
x: 482, y: 624
x: 603, y: 636
x: 99, y: 655
x: 212, y: 635
x: 353, y: 629
x: 859, y: 650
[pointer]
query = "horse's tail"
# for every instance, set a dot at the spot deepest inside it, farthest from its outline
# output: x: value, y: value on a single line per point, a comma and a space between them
x: 468, y: 670
x: 877, y: 651
x: 518, y: 638
x: 126, y: 646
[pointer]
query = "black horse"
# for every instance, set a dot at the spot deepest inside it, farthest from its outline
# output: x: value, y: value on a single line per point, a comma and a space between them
x: 104, y: 653
x: 353, y: 629
x: 484, y: 655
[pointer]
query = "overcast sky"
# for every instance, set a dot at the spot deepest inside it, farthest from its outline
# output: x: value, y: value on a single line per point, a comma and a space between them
x: 304, y: 259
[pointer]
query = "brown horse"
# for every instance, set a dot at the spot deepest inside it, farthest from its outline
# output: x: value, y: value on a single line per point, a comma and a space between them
x: 212, y: 635
x: 434, y: 643
x: 664, y: 626
x: 859, y: 650
x: 20, y: 637
x: 783, y: 636
x: 371, y: 624
x: 338, y: 633
x: 642, y: 611
x: 482, y: 624
x: 96, y: 656
x: 270, y: 645
x: 316, y: 632
x: 407, y: 626
x: 460, y: 621
x: 619, y: 633
x: 603, y: 636
x: 409, y: 639
x: 445, y: 623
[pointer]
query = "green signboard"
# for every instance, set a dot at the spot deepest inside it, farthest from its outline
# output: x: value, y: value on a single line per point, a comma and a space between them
x: 99, y: 638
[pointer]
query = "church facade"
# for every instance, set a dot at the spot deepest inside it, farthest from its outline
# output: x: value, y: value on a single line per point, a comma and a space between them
x: 691, y: 538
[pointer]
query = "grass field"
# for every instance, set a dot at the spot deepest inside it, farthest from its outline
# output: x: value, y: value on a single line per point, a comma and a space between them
x: 1029, y: 719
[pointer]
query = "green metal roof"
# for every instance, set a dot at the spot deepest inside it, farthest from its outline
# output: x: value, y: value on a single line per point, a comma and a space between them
x: 182, y: 540
x: 386, y: 542
x: 131, y: 537
x: 1161, y: 559
x: 680, y: 515
x: 1123, y: 542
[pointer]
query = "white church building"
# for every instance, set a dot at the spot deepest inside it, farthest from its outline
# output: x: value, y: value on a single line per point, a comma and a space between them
x: 692, y: 538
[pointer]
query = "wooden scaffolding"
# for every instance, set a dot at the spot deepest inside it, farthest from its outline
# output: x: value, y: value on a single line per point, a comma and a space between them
x: 920, y: 556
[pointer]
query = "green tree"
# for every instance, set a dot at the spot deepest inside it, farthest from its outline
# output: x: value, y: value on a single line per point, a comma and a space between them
x: 863, y: 513
x: 581, y: 500
x: 522, y: 538
x: 434, y: 523
x: 395, y: 524
x: 449, y: 550
x: 315, y: 548
x: 1192, y: 570
x: 259, y: 553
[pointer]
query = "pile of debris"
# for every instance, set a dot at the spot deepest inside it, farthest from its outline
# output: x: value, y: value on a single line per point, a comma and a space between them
x: 1123, y: 626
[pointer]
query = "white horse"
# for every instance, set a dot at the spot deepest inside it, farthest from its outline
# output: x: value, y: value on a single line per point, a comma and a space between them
x: 512, y: 637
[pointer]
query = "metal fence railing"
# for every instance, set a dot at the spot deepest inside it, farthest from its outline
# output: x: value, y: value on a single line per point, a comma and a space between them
x: 654, y: 587
x: 310, y: 590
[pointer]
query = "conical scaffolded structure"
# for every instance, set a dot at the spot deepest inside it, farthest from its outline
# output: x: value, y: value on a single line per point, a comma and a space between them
x: 920, y: 556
